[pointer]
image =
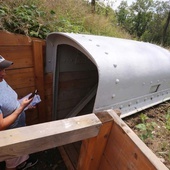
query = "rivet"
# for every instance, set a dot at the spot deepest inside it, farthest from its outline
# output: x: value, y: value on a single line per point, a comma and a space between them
x: 106, y: 53
x: 113, y: 96
x: 90, y: 40
x: 121, y: 106
x: 114, y: 65
x: 49, y: 61
x: 137, y: 101
x: 98, y: 45
x: 117, y: 81
x: 151, y: 82
x: 143, y: 83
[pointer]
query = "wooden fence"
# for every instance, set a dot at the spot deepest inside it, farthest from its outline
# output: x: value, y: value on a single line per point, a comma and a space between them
x: 107, y: 142
x: 27, y: 72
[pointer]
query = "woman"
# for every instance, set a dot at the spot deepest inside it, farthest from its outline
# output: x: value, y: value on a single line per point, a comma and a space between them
x: 12, y: 115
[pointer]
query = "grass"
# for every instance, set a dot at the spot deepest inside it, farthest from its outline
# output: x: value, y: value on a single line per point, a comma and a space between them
x: 38, y: 18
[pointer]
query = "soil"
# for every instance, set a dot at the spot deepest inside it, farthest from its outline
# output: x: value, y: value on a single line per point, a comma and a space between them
x: 47, y: 160
x: 156, y: 135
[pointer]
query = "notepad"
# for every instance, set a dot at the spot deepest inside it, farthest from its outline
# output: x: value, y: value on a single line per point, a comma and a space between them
x: 34, y: 102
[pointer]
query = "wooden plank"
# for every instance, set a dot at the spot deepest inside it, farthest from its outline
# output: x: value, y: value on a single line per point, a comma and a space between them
x: 105, y: 165
x: 30, y: 139
x: 77, y: 75
x: 76, y: 84
x: 83, y: 102
x: 39, y: 77
x: 8, y: 38
x: 32, y: 116
x: 72, y: 154
x: 20, y: 78
x: 127, y: 150
x: 66, y: 158
x: 92, y: 149
x: 21, y: 56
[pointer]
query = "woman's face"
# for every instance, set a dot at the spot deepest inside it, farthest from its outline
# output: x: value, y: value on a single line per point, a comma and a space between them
x: 2, y: 74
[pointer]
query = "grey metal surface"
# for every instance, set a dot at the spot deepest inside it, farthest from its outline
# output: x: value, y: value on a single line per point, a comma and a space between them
x: 133, y: 75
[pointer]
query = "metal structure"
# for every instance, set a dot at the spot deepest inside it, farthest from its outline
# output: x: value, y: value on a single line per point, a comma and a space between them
x: 132, y: 75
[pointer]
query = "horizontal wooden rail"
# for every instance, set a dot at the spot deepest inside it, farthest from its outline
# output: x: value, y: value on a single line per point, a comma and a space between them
x: 108, y: 143
x: 31, y: 139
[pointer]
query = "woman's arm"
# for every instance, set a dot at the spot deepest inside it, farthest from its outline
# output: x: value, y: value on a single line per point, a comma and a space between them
x: 9, y: 120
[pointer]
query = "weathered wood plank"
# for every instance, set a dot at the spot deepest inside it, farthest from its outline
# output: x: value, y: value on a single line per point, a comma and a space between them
x: 26, y: 140
x: 82, y: 102
x: 39, y: 77
x: 8, y: 38
x: 92, y: 149
x: 66, y: 158
x: 21, y: 78
x: 125, y: 150
x: 77, y: 84
x: 21, y: 56
x: 77, y: 75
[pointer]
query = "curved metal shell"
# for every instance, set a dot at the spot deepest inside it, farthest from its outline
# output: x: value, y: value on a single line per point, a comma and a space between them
x: 132, y: 75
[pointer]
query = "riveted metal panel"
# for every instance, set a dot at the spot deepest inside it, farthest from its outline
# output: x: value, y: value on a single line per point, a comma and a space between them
x: 133, y: 75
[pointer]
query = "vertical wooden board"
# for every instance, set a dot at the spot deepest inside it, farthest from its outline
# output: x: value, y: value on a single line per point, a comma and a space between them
x: 72, y: 154
x: 48, y: 83
x: 39, y: 77
x: 86, y: 153
x: 105, y: 165
x: 92, y: 149
x: 111, y: 153
x: 66, y: 158
x: 100, y: 145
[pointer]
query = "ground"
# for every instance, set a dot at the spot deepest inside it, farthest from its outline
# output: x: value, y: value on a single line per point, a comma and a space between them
x: 153, y: 127
x: 47, y: 160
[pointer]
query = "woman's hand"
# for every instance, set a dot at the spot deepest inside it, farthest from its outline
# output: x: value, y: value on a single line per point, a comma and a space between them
x: 25, y: 102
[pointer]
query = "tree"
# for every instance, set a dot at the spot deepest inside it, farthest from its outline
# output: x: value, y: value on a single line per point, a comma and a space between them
x: 165, y: 29
x: 141, y: 14
x: 93, y: 3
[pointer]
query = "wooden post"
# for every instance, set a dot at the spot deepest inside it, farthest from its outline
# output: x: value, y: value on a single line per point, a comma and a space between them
x: 92, y: 149
x: 35, y: 138
x: 39, y: 77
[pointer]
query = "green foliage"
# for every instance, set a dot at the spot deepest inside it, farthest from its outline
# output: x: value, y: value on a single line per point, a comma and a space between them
x: 24, y: 19
x: 38, y: 18
x: 167, y: 117
x: 145, y: 19
x: 146, y: 128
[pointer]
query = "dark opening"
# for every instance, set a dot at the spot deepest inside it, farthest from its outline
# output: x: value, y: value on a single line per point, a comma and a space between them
x: 76, y: 83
